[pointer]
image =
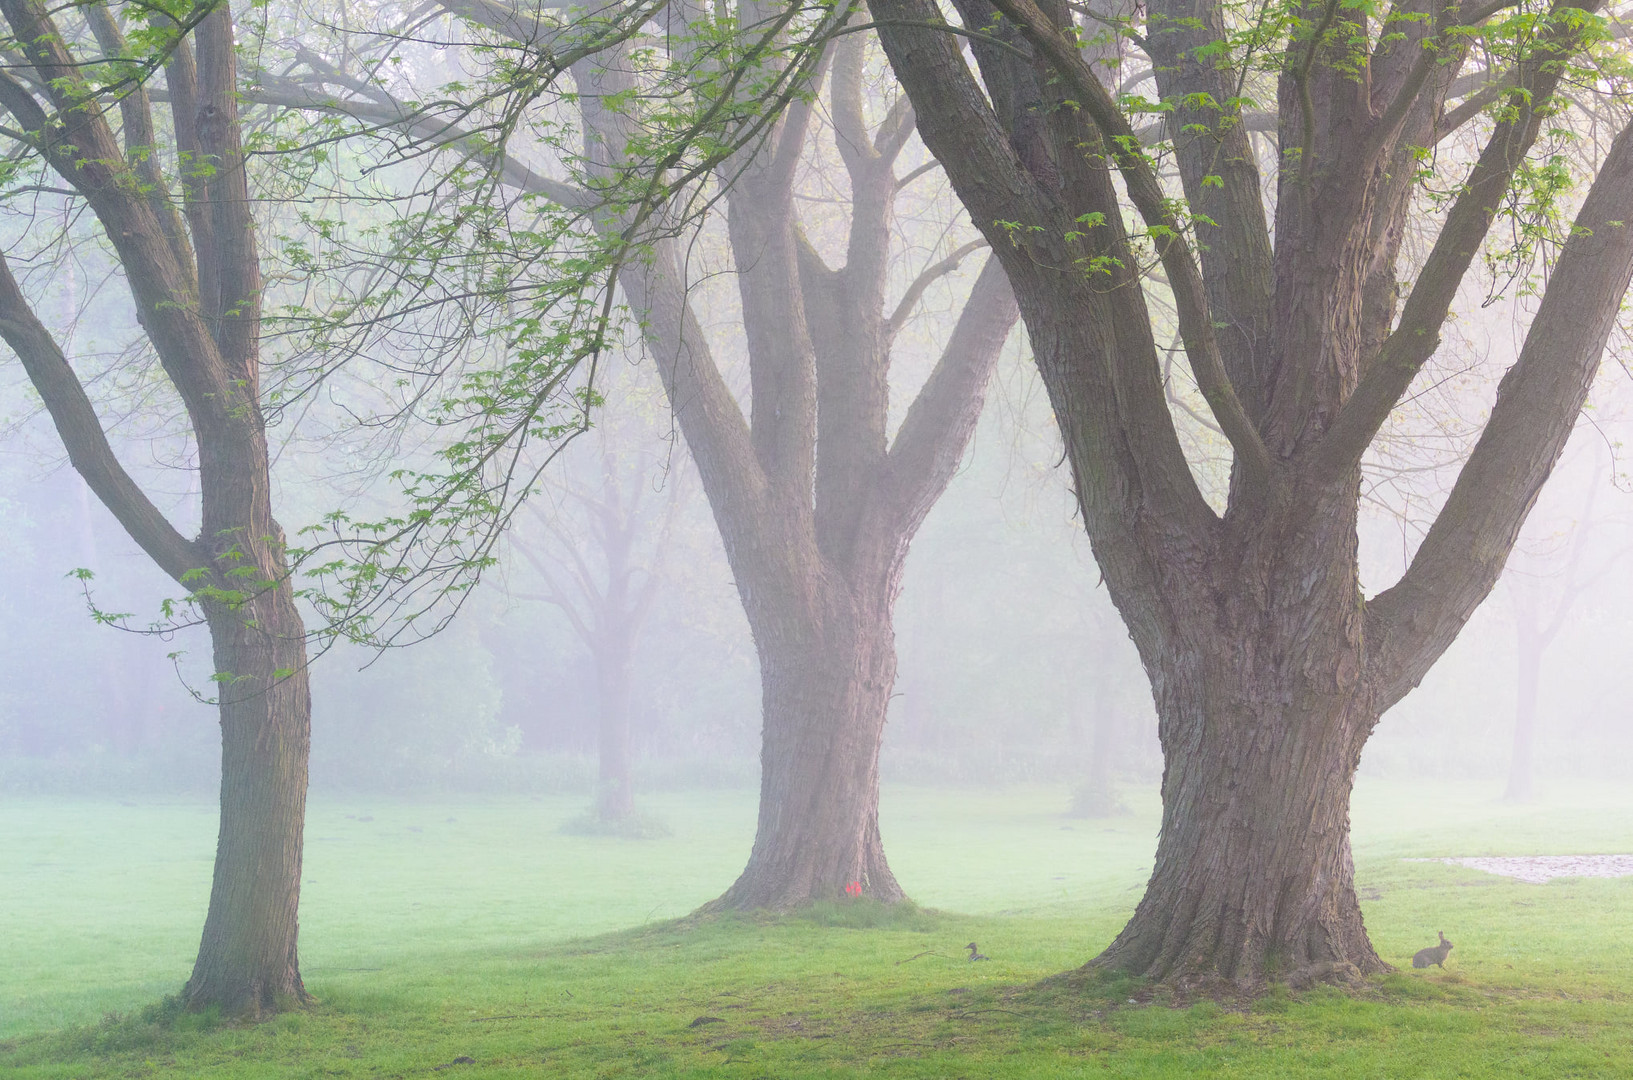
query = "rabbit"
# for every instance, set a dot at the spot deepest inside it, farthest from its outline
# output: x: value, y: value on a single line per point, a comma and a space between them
x: 1435, y: 954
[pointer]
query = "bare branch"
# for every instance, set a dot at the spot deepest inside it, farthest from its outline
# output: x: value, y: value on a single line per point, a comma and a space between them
x: 83, y: 436
x: 1460, y: 559
x: 927, y: 277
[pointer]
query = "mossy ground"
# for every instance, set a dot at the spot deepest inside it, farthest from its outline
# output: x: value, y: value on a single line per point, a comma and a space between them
x: 495, y: 938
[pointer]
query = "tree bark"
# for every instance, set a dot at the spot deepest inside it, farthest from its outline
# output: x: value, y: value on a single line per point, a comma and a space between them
x: 1262, y: 712
x: 1268, y: 667
x: 203, y: 320
x: 826, y: 684
x: 1253, y: 877
x: 247, y: 963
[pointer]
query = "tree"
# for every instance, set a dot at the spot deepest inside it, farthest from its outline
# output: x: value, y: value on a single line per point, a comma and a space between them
x: 599, y: 547
x: 1538, y: 618
x: 816, y: 502
x: 1269, y: 667
x: 815, y: 499
x: 185, y: 245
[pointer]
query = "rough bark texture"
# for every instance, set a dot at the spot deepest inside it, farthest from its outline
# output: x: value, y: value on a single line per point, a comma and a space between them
x: 247, y: 961
x: 1268, y: 668
x: 199, y: 304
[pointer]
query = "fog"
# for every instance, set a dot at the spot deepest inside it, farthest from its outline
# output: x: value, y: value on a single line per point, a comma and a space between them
x: 1011, y: 654
x: 634, y: 526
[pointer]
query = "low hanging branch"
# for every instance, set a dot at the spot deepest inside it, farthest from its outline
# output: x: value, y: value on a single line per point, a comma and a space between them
x: 1168, y: 232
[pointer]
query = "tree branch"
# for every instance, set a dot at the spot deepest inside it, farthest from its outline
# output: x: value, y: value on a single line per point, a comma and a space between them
x: 82, y: 434
x: 1463, y: 554
x: 927, y: 277
x: 1220, y: 177
x: 932, y: 437
x: 1417, y: 334
x: 1145, y: 191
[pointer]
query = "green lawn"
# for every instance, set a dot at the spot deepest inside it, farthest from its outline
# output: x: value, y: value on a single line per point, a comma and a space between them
x: 434, y: 932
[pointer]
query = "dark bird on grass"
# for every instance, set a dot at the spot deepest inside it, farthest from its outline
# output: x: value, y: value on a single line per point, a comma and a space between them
x: 1434, y: 954
x: 975, y: 953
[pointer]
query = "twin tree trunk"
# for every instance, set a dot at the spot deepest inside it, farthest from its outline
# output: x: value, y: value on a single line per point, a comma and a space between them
x: 1268, y: 667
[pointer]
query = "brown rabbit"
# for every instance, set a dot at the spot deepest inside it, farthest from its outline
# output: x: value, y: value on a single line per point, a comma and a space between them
x: 1435, y: 954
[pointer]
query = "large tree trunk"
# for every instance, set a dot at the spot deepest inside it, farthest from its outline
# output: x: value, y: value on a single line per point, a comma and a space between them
x: 825, y: 692
x: 1262, y: 712
x: 1253, y: 877
x: 247, y: 963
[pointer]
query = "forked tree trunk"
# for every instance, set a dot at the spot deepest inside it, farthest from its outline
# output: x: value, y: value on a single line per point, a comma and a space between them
x: 247, y: 963
x: 1253, y: 877
x: 1262, y: 713
x: 825, y: 694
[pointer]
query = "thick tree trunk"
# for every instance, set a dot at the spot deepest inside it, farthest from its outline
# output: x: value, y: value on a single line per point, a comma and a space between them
x: 1253, y: 878
x: 825, y: 695
x: 1528, y: 679
x: 247, y: 963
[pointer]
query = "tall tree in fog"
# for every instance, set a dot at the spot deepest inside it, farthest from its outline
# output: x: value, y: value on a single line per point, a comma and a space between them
x: 597, y: 536
x: 174, y: 211
x: 1269, y: 667
x: 815, y: 498
x: 816, y: 502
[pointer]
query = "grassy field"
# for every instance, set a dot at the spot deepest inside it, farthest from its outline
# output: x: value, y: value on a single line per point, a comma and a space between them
x: 434, y: 933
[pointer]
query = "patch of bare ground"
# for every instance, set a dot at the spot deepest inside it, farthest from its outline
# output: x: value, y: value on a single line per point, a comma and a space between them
x: 1541, y: 869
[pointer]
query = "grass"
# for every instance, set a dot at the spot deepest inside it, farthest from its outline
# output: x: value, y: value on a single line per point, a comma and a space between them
x: 436, y: 932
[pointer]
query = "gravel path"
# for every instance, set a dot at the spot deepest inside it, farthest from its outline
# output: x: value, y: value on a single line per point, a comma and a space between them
x: 1539, y: 869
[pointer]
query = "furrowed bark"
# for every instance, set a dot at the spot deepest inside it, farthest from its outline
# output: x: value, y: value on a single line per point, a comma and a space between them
x: 207, y: 341
x: 1268, y: 668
